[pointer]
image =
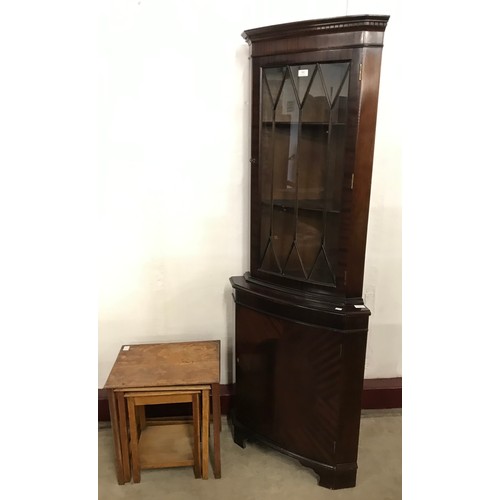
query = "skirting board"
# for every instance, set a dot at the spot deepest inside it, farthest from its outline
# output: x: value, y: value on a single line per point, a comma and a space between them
x: 378, y: 393
x: 382, y: 393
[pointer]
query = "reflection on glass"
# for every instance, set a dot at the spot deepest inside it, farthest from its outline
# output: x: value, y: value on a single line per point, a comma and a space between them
x: 303, y: 119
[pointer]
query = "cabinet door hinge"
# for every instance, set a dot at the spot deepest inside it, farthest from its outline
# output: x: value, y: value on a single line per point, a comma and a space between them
x: 360, y: 77
x: 352, y: 181
x: 334, y: 446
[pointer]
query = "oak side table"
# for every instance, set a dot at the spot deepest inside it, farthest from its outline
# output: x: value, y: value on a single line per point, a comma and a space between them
x: 158, y: 367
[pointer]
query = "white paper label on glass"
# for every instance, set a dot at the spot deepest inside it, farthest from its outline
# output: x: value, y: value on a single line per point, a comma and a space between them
x: 303, y: 72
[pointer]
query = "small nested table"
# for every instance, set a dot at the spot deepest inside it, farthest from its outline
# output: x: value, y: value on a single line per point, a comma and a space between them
x: 169, y: 444
x: 158, y: 370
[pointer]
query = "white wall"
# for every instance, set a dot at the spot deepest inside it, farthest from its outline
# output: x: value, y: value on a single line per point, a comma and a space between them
x: 174, y: 173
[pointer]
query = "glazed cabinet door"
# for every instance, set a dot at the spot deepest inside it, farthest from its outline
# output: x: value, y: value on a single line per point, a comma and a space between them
x: 303, y: 124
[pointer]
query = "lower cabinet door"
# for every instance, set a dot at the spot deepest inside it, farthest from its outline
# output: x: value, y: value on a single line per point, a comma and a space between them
x: 288, y: 383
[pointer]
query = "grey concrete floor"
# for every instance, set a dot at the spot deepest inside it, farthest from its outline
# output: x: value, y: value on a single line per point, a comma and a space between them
x: 259, y: 473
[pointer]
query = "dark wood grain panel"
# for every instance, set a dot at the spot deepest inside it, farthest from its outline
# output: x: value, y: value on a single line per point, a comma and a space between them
x: 292, y: 380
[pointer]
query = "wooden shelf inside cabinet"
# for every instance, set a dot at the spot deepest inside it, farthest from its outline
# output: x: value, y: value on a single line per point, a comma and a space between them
x: 317, y: 124
x: 303, y: 206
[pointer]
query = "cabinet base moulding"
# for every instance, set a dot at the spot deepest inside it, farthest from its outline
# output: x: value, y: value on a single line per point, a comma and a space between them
x: 329, y: 476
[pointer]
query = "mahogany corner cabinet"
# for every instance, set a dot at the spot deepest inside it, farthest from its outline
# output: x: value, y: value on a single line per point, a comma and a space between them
x: 301, y: 324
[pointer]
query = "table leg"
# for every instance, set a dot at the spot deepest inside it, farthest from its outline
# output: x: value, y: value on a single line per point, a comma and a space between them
x: 205, y: 408
x: 122, y: 419
x: 134, y: 441
x: 141, y: 413
x: 196, y: 435
x: 116, y: 436
x: 217, y: 425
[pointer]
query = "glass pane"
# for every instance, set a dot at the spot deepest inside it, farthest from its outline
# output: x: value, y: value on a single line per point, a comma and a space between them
x: 273, y: 79
x: 309, y: 237
x: 336, y: 152
x: 322, y: 271
x: 313, y: 158
x: 339, y: 105
x: 265, y: 227
x: 336, y: 148
x: 316, y: 107
x: 286, y: 139
x: 285, y: 142
x: 283, y: 233
x: 327, y: 267
x: 302, y: 76
x: 287, y: 107
x: 294, y: 266
x: 266, y: 162
x: 267, y: 103
x: 269, y: 261
x: 334, y: 76
x: 313, y: 146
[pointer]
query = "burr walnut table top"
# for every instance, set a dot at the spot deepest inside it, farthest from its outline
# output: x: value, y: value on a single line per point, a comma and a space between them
x: 166, y: 364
